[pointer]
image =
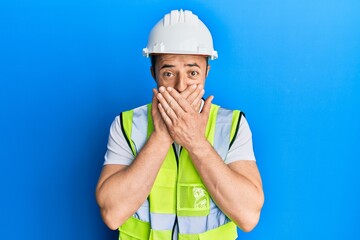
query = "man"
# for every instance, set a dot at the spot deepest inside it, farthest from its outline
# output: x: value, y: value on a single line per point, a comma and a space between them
x: 181, y: 167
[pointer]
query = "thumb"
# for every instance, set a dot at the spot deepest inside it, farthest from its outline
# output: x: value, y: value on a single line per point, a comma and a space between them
x: 207, y: 105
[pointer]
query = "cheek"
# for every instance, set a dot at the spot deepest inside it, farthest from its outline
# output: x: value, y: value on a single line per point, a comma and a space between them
x: 162, y: 82
x: 199, y: 81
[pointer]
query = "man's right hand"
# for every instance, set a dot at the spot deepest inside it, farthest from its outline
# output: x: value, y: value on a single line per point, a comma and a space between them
x: 159, y: 125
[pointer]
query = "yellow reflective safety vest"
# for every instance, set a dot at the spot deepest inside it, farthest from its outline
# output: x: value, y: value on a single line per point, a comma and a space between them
x: 178, y: 197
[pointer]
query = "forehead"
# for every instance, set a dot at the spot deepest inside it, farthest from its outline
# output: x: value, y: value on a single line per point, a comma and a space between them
x: 178, y: 59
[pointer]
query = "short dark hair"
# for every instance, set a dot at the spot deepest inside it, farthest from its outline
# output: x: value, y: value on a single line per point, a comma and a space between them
x: 153, y: 63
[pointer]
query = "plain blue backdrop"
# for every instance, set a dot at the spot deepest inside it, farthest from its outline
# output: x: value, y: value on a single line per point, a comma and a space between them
x: 68, y: 67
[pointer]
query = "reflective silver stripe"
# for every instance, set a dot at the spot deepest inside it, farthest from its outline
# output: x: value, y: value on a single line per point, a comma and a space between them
x: 222, y: 132
x: 160, y: 221
x: 138, y: 136
x: 143, y: 212
x: 139, y: 127
x: 194, y: 225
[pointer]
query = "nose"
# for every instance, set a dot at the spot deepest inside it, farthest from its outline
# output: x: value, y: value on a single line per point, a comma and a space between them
x: 181, y: 83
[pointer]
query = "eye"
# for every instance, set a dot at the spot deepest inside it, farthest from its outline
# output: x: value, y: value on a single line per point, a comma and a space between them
x: 168, y: 74
x: 194, y: 73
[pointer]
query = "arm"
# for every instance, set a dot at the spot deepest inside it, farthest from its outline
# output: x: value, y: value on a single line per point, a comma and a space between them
x: 236, y: 188
x: 122, y: 189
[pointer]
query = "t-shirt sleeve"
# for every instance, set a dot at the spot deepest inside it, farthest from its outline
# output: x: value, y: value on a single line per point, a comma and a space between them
x: 242, y: 147
x: 118, y: 151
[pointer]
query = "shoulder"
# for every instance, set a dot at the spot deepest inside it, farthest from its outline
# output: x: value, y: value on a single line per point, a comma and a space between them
x: 226, y: 109
x: 139, y: 112
x: 140, y: 108
x: 233, y: 116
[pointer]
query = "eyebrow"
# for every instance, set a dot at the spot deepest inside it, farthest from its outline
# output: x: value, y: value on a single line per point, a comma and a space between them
x: 187, y: 65
x: 167, y: 66
x: 192, y: 65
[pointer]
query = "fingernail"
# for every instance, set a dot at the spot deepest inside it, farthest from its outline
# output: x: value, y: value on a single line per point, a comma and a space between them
x: 159, y: 96
x: 169, y: 89
x: 200, y: 86
x: 202, y: 91
x: 162, y: 89
x: 193, y: 86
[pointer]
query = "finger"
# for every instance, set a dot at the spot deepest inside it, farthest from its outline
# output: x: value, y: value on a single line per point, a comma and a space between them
x: 172, y: 97
x: 182, y: 105
x: 195, y: 94
x: 168, y: 103
x: 155, y: 92
x: 164, y: 115
x: 168, y: 97
x: 188, y: 91
x: 207, y: 105
x: 196, y: 104
x: 155, y: 101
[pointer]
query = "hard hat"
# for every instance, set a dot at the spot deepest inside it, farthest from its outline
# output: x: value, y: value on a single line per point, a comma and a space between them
x: 180, y: 32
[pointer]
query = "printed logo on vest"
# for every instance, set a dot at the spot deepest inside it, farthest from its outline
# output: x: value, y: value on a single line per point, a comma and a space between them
x: 200, y: 197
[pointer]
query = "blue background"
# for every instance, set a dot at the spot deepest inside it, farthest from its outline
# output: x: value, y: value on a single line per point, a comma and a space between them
x: 68, y: 67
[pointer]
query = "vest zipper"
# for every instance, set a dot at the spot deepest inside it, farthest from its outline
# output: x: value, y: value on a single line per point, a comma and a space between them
x: 177, y: 174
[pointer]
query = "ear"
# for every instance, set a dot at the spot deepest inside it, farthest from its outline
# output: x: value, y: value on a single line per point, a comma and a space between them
x: 207, y: 70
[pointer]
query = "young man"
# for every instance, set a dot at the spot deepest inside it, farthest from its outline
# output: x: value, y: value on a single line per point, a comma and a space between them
x: 180, y: 167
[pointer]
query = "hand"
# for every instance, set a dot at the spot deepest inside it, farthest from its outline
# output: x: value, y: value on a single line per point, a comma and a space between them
x: 159, y: 124
x: 185, y: 125
x: 193, y: 94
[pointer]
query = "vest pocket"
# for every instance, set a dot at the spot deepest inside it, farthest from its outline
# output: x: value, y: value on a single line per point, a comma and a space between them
x: 193, y: 200
x: 134, y: 229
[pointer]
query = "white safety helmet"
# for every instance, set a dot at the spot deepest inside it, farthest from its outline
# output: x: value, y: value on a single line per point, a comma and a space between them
x: 180, y: 32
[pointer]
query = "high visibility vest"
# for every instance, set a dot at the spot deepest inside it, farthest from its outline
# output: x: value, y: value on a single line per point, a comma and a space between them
x: 178, y: 196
